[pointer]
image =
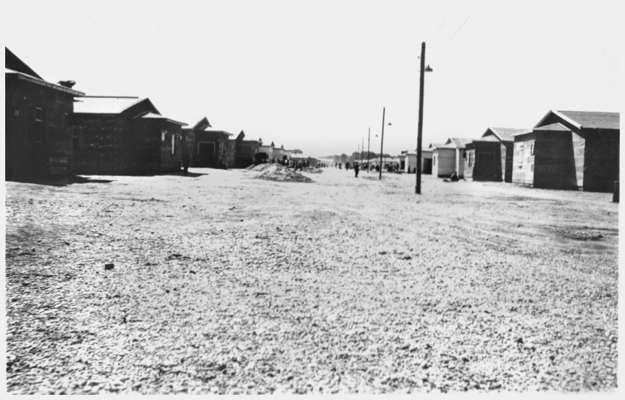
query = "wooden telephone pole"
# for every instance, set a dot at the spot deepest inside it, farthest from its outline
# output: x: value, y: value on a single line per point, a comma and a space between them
x: 382, y: 142
x: 420, y: 131
x: 362, y: 149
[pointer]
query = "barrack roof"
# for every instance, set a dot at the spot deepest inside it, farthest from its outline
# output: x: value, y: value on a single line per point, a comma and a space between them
x: 504, y: 134
x: 455, y: 142
x: 14, y: 63
x: 151, y: 115
x: 553, y: 127
x: 586, y: 119
x: 14, y: 66
x: 202, y: 124
x: 47, y: 84
x: 489, y: 138
x: 218, y: 131
x: 104, y: 105
x: 594, y: 119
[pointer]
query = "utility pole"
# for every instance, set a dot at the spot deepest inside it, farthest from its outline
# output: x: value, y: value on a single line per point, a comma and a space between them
x: 362, y: 149
x: 368, y: 145
x: 420, y: 131
x: 382, y: 141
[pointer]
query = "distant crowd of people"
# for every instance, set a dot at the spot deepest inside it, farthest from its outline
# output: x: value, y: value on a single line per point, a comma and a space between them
x: 356, y: 166
x: 300, y: 164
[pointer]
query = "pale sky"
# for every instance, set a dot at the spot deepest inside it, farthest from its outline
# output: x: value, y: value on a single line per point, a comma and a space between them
x: 315, y: 75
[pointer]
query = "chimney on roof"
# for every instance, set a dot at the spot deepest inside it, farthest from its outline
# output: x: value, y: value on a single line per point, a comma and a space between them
x: 67, y: 84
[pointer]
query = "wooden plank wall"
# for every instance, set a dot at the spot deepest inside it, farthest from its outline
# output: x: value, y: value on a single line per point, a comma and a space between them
x: 507, y: 156
x: 443, y: 162
x: 487, y: 161
x: 112, y: 144
x: 579, y: 150
x: 523, y: 160
x: 554, y: 165
x: 38, y: 143
x: 244, y: 153
x: 101, y: 144
x: 220, y: 156
x: 469, y: 163
x: 602, y: 161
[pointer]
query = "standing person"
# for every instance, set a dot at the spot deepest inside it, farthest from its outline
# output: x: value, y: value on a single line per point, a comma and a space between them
x: 185, y: 156
x: 356, y: 169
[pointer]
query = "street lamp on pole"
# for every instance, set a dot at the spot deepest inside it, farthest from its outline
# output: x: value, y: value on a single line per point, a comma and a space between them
x: 382, y: 141
x: 362, y: 150
x: 423, y: 70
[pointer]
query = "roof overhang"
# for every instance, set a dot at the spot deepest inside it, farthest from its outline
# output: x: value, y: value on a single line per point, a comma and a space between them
x: 41, y: 82
x: 559, y: 115
x: 162, y: 118
x: 480, y: 140
x: 140, y: 108
x: 87, y: 114
x: 494, y: 132
x: 523, y: 135
x: 553, y: 127
x: 215, y: 131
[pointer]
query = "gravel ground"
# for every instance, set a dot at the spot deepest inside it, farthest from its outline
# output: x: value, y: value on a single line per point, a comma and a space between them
x: 223, y: 283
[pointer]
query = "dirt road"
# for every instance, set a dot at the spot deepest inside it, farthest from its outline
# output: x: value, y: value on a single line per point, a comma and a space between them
x: 227, y: 284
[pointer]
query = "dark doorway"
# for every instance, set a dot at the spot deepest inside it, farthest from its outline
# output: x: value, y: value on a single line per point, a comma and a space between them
x: 427, y: 166
x: 206, y: 153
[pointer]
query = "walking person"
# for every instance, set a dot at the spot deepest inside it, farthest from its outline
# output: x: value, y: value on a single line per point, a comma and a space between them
x: 356, y: 169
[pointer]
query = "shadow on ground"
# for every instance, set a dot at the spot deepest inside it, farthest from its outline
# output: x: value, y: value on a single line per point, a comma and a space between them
x: 58, y: 181
x: 85, y: 179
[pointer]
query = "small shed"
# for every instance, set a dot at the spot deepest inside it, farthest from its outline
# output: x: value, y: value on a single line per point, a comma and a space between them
x: 448, y: 157
x: 489, y: 158
x: 38, y: 143
x: 211, y: 147
x: 410, y: 160
x: 569, y: 150
x: 244, y: 151
x: 188, y: 135
x: 113, y: 135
